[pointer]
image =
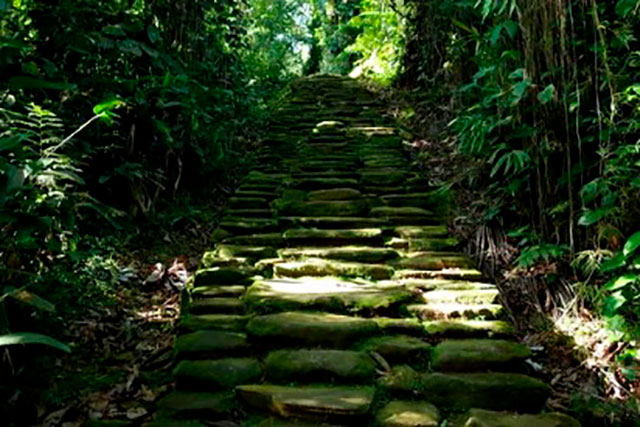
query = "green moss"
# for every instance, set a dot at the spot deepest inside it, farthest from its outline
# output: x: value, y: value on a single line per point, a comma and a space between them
x: 221, y: 276
x: 483, y: 418
x: 433, y: 244
x: 322, y: 208
x: 226, y: 251
x: 478, y: 355
x: 422, y: 232
x: 345, y: 253
x: 407, y: 326
x: 216, y: 306
x: 434, y: 261
x: 224, y: 322
x: 460, y: 328
x: 333, y: 237
x: 319, y: 267
x: 470, y: 296
x: 211, y: 406
x: 217, y: 374
x: 439, y: 311
x: 324, y: 365
x: 398, y: 348
x: 335, y: 194
x: 207, y: 343
x: 311, y: 329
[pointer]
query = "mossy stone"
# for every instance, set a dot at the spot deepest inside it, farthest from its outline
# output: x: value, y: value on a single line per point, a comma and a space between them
x: 328, y: 294
x: 274, y: 240
x: 248, y: 225
x: 311, y: 184
x: 220, y: 276
x: 401, y: 413
x: 422, y: 232
x: 219, y: 374
x: 433, y: 244
x: 223, y: 322
x: 323, y: 365
x: 335, y: 194
x: 248, y: 202
x: 441, y: 311
x: 255, y: 253
x: 398, y: 348
x: 309, y: 402
x: 478, y: 355
x: 218, y: 291
x: 460, y: 328
x: 210, y: 260
x: 333, y: 237
x: 406, y: 326
x: 383, y: 177
x: 311, y: 329
x: 363, y: 254
x: 210, y: 343
x: 434, y: 261
x: 320, y: 267
x: 333, y: 223
x: 453, y: 273
x: 418, y: 200
x: 495, y: 391
x: 211, y: 406
x: 322, y: 208
x: 466, y: 296
x: 217, y: 306
x: 484, y: 418
x: 388, y: 211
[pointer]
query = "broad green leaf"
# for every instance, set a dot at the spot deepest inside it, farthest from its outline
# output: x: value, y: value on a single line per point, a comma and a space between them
x: 114, y: 30
x: 26, y: 82
x: 31, y: 338
x: 547, y: 94
x: 632, y: 244
x: 614, y: 263
x: 621, y: 281
x: 27, y: 297
x: 590, y: 217
x: 108, y: 105
x: 624, y: 7
x: 11, y: 142
x: 613, y: 303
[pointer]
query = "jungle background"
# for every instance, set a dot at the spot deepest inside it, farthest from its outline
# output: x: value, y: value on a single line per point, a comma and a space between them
x: 125, y: 124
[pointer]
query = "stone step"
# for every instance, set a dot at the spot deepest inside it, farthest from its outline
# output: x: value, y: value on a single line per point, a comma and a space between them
x: 217, y: 306
x: 314, y: 267
x: 443, y: 311
x: 335, y: 194
x: 364, y: 254
x: 214, y: 375
x: 218, y: 291
x: 484, y: 418
x: 344, y: 366
x: 223, y: 322
x: 445, y: 273
x: 337, y: 208
x: 178, y: 406
x: 269, y: 195
x: 327, y: 237
x: 333, y: 222
x: 472, y: 355
x: 241, y: 226
x: 327, y: 294
x: 323, y: 183
x: 208, y: 344
x: 406, y: 413
x: 471, y: 297
x: 459, y: 328
x: 418, y: 200
x: 444, y: 285
x: 250, y: 252
x: 221, y: 276
x: 274, y: 240
x: 433, y: 261
x: 248, y: 203
x: 388, y: 177
x: 310, y: 329
x: 317, y: 403
x: 250, y: 213
x: 399, y: 348
x: 494, y: 391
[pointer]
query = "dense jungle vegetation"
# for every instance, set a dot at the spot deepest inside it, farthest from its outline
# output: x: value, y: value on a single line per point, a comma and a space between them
x: 125, y: 122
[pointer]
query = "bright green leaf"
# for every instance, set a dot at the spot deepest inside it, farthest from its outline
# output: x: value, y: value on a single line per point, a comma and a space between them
x: 632, y: 244
x: 547, y: 94
x: 31, y: 338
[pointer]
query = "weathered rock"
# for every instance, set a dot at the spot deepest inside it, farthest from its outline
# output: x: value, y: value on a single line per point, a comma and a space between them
x: 250, y: 213
x: 422, y: 232
x: 250, y: 252
x: 309, y: 402
x: 483, y: 418
x: 315, y: 237
x: 495, y: 391
x: 399, y: 413
x: 324, y: 183
x: 324, y: 365
x: 221, y: 276
x: 478, y: 355
x: 470, y: 296
x: 219, y: 374
x: 224, y: 322
x: 320, y: 267
x: 210, y: 344
x: 445, y: 273
x: 418, y: 200
x: 327, y: 294
x: 341, y: 223
x: 248, y: 225
x: 216, y: 291
x: 211, y: 406
x: 399, y: 348
x: 217, y: 306
x: 407, y: 326
x: 434, y: 261
x: 311, y: 329
x: 389, y: 212
x: 335, y: 194
x: 432, y: 244
x: 441, y: 311
x: 248, y: 203
x: 274, y: 240
x: 364, y: 254
x: 337, y: 208
x: 469, y: 328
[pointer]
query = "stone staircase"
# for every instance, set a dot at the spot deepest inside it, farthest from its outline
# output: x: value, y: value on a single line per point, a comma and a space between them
x: 334, y: 295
